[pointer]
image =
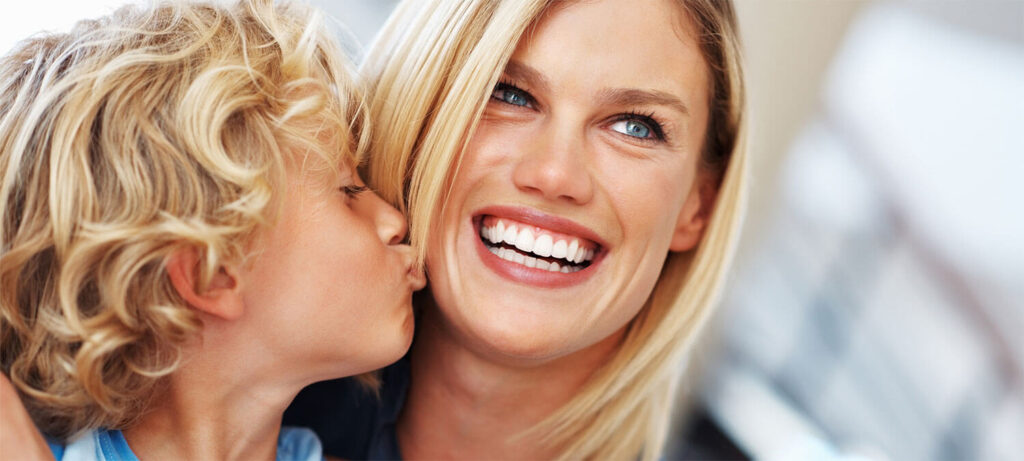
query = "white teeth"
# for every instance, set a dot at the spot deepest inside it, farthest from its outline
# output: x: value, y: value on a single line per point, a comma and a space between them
x: 511, y: 255
x: 542, y: 247
x: 525, y: 240
x: 570, y: 253
x: 559, y: 250
x: 509, y: 236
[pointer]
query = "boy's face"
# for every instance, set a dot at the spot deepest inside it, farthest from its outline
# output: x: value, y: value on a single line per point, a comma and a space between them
x: 330, y: 282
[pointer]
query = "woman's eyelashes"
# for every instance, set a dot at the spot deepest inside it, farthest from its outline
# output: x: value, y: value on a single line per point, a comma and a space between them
x: 643, y: 127
x: 508, y: 93
x: 640, y: 126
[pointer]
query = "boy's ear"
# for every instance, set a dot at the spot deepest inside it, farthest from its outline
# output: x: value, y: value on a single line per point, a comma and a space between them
x: 222, y: 298
x: 695, y: 214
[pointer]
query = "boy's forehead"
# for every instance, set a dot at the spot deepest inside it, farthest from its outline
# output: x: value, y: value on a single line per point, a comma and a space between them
x: 347, y: 164
x: 322, y: 148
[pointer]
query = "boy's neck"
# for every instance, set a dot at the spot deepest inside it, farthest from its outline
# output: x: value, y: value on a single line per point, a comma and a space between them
x: 461, y: 405
x: 224, y: 402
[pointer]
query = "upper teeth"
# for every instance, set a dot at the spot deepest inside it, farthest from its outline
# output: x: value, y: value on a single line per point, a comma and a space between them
x: 524, y: 239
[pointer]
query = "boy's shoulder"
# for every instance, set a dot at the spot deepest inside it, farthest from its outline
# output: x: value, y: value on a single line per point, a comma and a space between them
x: 293, y: 444
x: 299, y: 444
x: 95, y: 445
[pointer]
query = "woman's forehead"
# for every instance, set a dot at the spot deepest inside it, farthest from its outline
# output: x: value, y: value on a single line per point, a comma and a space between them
x: 606, y: 44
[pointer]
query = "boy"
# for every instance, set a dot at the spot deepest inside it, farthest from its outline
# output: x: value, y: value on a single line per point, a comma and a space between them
x: 186, y: 243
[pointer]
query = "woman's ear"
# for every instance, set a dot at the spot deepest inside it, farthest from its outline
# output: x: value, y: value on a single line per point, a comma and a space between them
x: 695, y: 214
x: 222, y: 298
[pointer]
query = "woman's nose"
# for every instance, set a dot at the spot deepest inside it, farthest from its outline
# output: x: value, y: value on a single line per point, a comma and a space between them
x: 555, y: 165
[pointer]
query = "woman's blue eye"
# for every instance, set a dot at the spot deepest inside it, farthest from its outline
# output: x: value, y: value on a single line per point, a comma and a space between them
x: 509, y: 94
x: 634, y: 128
x: 639, y: 126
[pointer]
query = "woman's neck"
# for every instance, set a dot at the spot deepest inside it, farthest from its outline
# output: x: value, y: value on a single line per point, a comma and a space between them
x: 216, y: 406
x: 462, y: 405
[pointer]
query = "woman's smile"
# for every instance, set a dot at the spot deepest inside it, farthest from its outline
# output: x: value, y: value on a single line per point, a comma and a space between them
x: 535, y: 248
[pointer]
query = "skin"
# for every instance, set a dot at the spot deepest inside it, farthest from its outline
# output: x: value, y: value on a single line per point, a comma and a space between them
x: 333, y: 269
x: 326, y: 294
x: 18, y: 437
x: 499, y: 352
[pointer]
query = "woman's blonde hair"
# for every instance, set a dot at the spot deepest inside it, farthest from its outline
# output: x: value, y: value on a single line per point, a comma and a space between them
x: 430, y: 74
x: 131, y: 137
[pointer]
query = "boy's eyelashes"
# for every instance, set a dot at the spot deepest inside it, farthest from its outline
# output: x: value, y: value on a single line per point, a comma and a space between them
x: 352, y: 190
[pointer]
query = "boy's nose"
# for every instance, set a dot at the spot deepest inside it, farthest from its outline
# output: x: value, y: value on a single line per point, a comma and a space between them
x: 391, y: 225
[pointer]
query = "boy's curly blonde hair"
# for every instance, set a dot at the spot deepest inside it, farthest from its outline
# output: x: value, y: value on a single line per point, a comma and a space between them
x: 129, y: 138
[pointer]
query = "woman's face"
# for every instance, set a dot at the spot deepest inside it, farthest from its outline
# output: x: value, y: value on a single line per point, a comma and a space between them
x: 578, y: 182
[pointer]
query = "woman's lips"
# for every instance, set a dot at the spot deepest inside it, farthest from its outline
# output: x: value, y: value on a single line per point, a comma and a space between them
x: 530, y: 247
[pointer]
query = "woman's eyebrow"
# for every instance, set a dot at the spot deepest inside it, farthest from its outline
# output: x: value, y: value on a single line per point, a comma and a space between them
x: 638, y: 97
x: 610, y: 96
x: 519, y: 71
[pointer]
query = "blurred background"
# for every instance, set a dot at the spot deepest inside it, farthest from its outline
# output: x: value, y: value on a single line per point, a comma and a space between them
x: 876, y: 308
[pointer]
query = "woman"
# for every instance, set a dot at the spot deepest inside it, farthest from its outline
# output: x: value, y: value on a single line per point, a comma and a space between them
x: 615, y: 127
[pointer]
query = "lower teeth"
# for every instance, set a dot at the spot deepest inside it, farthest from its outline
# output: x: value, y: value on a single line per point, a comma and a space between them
x: 509, y: 254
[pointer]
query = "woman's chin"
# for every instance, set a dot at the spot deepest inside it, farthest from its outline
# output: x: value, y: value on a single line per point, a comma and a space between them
x: 521, y: 342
